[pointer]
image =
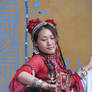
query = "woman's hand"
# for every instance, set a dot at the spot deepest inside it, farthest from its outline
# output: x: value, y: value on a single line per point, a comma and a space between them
x: 89, y: 65
x: 47, y: 86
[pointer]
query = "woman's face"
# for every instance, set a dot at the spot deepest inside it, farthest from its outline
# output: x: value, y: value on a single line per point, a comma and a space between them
x: 46, y: 41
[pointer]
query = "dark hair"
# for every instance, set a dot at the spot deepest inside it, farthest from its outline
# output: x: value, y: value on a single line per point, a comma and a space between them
x: 55, y: 33
x: 53, y: 30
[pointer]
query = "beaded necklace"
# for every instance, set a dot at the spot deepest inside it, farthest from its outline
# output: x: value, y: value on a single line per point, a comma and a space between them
x: 52, y: 62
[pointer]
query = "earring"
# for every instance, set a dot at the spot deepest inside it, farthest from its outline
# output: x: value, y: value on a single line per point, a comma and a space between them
x: 36, y: 51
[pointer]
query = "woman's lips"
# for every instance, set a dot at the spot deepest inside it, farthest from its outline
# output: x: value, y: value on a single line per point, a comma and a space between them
x: 50, y: 48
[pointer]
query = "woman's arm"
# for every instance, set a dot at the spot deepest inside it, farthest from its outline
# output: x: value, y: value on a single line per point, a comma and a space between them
x: 79, y: 82
x: 29, y: 79
x: 84, y: 70
x: 89, y: 65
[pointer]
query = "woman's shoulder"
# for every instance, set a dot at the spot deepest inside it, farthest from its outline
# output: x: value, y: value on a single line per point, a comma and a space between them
x: 36, y: 58
x: 37, y: 61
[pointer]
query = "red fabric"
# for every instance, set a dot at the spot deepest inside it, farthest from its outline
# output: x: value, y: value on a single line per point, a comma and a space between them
x: 76, y: 83
x: 32, y: 24
x: 42, y: 72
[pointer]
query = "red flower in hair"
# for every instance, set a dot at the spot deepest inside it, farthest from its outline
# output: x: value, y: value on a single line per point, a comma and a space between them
x: 32, y: 23
x: 51, y: 21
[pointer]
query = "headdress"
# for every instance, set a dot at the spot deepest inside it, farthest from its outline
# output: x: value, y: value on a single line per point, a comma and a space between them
x: 35, y: 24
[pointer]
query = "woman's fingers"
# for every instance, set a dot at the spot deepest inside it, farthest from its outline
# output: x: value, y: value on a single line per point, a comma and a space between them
x: 52, y: 87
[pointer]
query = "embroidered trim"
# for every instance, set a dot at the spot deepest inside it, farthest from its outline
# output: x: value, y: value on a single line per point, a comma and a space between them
x: 33, y: 72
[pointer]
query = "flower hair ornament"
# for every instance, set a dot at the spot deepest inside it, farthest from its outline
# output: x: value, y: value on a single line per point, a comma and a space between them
x: 35, y: 24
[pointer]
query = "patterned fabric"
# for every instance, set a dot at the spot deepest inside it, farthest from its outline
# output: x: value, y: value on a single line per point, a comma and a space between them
x: 42, y: 72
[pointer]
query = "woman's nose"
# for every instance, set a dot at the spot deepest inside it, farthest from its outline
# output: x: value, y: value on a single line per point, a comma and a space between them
x: 49, y: 42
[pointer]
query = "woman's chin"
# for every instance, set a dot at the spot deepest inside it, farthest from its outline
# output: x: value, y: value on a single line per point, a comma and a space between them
x: 51, y: 53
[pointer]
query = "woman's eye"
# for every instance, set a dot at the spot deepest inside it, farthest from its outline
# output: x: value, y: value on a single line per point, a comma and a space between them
x: 52, y: 38
x: 43, y: 39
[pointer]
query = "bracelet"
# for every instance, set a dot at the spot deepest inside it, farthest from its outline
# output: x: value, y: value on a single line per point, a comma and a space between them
x: 37, y: 83
x: 84, y: 72
x: 34, y: 82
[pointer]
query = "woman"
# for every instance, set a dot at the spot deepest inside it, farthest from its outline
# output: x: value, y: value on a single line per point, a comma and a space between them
x: 46, y: 69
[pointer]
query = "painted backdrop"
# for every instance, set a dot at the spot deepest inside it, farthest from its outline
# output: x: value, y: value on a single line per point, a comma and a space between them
x: 74, y: 23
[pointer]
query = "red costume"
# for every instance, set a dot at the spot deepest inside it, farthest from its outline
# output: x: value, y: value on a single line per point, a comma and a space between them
x: 42, y: 72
